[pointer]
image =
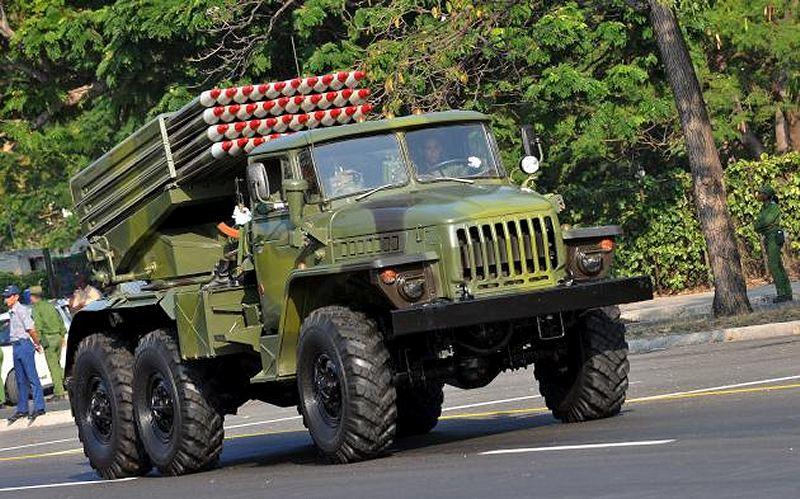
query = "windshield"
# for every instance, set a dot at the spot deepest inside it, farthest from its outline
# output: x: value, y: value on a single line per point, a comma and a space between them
x: 358, y: 165
x: 453, y: 151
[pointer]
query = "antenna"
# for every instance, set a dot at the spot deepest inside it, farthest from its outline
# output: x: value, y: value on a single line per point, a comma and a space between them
x: 294, y: 52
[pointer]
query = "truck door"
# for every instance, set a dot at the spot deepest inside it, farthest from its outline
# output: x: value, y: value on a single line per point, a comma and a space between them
x: 273, y: 257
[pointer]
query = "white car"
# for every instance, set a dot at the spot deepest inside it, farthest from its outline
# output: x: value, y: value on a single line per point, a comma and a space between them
x: 7, y: 375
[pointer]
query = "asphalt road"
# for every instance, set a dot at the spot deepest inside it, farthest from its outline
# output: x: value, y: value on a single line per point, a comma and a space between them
x: 720, y: 420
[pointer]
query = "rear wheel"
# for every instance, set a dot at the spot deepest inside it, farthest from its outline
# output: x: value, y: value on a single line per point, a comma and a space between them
x: 419, y: 408
x: 180, y: 429
x: 102, y: 404
x: 591, y: 380
x: 345, y: 381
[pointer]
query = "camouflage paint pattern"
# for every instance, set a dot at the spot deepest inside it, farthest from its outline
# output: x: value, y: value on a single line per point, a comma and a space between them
x: 461, y: 231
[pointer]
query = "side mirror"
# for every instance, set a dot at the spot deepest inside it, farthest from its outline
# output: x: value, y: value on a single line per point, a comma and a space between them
x: 258, y: 182
x: 531, y: 144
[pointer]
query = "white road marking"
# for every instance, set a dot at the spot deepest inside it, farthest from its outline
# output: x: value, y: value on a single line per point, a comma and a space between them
x: 51, y: 442
x: 491, y: 402
x: 721, y: 387
x: 453, y: 408
x: 258, y: 423
x: 640, y: 443
x: 65, y: 484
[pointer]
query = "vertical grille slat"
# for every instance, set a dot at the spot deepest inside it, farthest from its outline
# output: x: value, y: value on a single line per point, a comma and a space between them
x: 541, y: 247
x: 552, y: 247
x: 507, y: 252
x: 502, y: 249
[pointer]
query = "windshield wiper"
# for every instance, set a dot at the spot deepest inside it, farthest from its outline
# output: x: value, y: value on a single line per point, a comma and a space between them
x: 373, y: 191
x: 450, y: 179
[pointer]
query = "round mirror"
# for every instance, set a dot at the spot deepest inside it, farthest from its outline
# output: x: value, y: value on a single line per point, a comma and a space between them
x: 529, y: 164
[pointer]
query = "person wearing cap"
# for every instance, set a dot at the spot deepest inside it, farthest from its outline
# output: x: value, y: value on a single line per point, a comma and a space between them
x: 768, y: 225
x: 51, y: 331
x: 25, y: 342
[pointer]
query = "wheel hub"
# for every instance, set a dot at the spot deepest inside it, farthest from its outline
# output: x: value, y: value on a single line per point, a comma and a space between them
x: 328, y: 388
x: 99, y: 412
x: 162, y: 405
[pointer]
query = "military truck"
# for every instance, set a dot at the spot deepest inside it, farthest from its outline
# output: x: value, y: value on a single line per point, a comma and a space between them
x: 384, y: 259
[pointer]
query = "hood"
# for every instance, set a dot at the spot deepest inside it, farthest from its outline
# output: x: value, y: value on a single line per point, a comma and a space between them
x: 432, y: 205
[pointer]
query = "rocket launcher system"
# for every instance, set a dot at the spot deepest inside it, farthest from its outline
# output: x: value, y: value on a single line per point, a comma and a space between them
x: 187, y: 158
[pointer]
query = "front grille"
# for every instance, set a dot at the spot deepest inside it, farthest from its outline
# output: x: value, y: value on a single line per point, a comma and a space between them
x: 508, y: 252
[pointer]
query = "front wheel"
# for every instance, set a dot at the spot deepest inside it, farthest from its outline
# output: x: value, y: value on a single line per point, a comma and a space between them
x: 180, y: 429
x: 101, y: 396
x: 590, y: 380
x: 345, y: 381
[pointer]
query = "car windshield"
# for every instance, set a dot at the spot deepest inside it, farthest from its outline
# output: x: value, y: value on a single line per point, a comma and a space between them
x: 453, y: 151
x: 358, y: 165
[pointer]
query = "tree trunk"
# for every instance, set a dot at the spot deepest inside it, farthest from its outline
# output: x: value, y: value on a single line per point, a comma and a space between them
x: 793, y: 124
x: 781, y: 133
x: 730, y: 292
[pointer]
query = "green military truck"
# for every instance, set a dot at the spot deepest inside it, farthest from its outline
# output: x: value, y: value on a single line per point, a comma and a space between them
x: 383, y: 260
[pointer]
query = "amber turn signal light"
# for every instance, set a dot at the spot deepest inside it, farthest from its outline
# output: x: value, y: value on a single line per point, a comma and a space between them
x: 607, y: 244
x: 388, y: 276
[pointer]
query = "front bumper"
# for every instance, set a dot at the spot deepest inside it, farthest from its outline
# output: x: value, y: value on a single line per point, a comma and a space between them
x: 579, y: 296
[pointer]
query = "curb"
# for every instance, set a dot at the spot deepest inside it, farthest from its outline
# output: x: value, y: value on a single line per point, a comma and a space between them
x: 50, y: 419
x: 640, y: 346
x: 684, y: 311
x: 761, y: 331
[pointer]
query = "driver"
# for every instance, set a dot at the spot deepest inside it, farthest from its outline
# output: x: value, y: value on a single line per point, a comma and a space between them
x: 345, y: 182
x: 432, y: 156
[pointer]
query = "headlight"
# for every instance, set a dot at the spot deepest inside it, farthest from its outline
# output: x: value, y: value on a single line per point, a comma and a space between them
x: 590, y: 263
x: 412, y: 289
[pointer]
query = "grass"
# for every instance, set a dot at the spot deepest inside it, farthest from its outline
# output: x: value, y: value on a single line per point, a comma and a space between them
x: 782, y: 313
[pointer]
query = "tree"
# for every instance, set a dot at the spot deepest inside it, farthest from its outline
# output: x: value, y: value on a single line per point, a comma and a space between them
x: 730, y: 293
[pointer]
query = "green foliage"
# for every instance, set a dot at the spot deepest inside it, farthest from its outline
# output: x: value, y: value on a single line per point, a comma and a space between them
x: 76, y: 77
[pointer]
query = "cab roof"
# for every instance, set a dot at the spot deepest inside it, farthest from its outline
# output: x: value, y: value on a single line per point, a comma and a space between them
x: 305, y: 138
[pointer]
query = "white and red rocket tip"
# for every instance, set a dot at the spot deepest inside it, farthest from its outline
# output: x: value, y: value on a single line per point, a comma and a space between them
x: 287, y: 88
x: 294, y: 122
x: 292, y: 105
x: 236, y: 147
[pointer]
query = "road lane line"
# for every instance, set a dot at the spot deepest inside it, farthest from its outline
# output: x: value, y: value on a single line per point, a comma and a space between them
x: 721, y: 387
x: 65, y: 484
x: 44, y: 454
x: 453, y: 408
x: 490, y: 402
x: 39, y: 444
x: 257, y: 423
x: 640, y: 443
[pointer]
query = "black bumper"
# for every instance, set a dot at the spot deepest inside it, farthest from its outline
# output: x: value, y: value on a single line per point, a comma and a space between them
x: 580, y: 296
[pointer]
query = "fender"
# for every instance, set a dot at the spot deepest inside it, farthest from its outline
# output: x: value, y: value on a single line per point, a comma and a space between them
x: 295, y: 297
x: 100, y: 315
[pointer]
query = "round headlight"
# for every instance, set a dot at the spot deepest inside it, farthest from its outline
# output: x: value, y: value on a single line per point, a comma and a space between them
x: 529, y: 164
x: 590, y: 263
x: 412, y: 289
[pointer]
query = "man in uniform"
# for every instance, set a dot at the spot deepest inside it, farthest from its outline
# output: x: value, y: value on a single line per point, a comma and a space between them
x: 25, y: 342
x: 51, y: 330
x: 768, y: 225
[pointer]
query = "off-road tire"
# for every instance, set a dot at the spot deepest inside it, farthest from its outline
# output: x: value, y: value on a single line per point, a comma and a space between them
x: 419, y: 408
x: 12, y: 394
x: 591, y: 381
x: 103, y: 372
x: 350, y: 346
x: 192, y: 440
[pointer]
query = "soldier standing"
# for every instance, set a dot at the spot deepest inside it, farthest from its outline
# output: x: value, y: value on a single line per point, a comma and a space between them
x: 51, y: 330
x: 25, y: 341
x: 768, y: 225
